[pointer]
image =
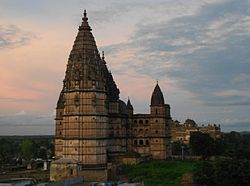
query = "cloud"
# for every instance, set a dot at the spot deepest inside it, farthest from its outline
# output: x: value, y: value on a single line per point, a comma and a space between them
x: 236, y: 121
x: 21, y: 113
x: 12, y: 36
x: 236, y: 124
x: 23, y: 123
x: 207, y: 53
x: 8, y: 99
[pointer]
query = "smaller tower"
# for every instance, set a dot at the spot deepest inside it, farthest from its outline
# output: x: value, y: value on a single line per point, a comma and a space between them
x: 158, y: 106
x: 159, y: 125
x: 130, y: 108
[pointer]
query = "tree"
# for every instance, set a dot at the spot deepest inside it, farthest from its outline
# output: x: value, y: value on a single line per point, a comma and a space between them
x: 223, y: 172
x: 202, y: 144
x: 42, y: 153
x: 237, y: 145
x: 26, y: 149
x: 5, y: 150
x: 177, y: 148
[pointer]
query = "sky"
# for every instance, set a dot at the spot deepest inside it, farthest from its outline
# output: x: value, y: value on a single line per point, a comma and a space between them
x: 198, y: 50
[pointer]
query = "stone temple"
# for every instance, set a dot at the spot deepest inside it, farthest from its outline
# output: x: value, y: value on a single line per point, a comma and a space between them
x: 93, y: 126
x: 95, y: 130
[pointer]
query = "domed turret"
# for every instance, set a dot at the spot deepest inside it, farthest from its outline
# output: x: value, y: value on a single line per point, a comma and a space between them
x: 158, y: 106
x: 157, y: 96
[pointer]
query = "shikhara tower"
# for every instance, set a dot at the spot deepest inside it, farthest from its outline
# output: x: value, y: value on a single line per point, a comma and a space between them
x: 93, y: 126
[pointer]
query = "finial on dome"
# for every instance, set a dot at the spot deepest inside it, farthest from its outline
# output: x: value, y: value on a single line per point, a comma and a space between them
x: 156, y: 81
x: 85, y: 18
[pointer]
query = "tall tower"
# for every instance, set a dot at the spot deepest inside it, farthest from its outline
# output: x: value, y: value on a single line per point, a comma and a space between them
x: 82, y: 109
x: 159, y: 125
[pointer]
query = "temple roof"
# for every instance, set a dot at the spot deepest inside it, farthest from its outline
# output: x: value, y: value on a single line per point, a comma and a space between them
x: 86, y: 69
x: 84, y: 44
x: 157, y: 96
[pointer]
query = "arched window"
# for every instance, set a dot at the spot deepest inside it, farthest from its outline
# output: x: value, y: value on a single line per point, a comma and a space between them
x: 156, y: 111
x: 146, y: 121
x: 156, y: 132
x: 147, y: 143
x: 135, y: 121
x: 156, y: 121
x: 140, y: 131
x: 140, y: 122
x: 141, y: 142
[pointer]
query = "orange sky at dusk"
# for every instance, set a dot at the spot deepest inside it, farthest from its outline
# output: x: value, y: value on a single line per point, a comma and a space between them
x: 197, y: 50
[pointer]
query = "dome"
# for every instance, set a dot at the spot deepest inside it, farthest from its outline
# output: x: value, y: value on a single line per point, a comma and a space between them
x: 157, y: 96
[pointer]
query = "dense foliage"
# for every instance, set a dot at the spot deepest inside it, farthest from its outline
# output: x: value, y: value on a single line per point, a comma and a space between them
x: 232, y: 145
x: 156, y: 173
x: 12, y: 149
x: 203, y: 144
x: 232, y: 168
x: 223, y: 172
x: 236, y: 146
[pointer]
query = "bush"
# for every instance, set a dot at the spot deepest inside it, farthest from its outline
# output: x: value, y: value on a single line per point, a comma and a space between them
x: 225, y: 172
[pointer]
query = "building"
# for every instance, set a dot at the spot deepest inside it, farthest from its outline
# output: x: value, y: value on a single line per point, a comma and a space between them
x: 93, y: 124
x: 182, y: 132
x: 94, y: 127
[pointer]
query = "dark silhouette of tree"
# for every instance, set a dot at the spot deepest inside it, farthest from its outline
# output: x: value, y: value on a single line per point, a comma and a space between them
x: 8, y: 150
x: 202, y: 144
x: 42, y: 153
x: 237, y: 145
x: 225, y: 172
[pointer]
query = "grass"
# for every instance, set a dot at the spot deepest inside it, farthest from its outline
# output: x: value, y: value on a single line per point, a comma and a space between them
x: 159, y: 173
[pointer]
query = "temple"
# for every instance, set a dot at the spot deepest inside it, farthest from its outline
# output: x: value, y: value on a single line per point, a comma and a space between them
x: 94, y: 128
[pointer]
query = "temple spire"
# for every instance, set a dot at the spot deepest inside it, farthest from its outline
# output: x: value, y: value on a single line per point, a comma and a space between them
x: 84, y: 44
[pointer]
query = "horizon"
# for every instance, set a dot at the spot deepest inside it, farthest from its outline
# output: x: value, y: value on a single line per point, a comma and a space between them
x: 198, y: 51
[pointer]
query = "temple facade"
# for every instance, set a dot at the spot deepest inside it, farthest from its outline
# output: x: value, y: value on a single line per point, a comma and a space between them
x: 93, y: 124
x: 94, y: 127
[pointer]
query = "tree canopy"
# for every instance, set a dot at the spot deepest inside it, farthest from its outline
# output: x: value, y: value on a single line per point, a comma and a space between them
x: 202, y: 144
